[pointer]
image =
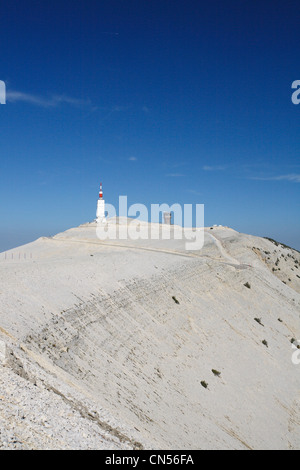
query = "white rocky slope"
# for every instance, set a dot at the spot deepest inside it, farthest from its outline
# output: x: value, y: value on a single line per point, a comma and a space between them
x: 142, y: 344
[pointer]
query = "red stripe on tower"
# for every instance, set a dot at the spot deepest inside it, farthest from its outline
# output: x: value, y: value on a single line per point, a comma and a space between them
x: 101, y: 192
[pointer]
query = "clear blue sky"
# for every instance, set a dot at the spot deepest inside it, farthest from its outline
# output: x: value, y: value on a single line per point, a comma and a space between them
x: 173, y: 101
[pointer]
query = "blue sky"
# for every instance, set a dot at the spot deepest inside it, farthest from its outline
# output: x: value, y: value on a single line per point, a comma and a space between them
x: 173, y: 101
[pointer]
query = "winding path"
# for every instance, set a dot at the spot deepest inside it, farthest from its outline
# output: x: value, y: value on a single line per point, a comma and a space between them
x: 222, y: 250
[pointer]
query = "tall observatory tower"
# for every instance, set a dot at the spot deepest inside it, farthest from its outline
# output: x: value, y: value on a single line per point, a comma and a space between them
x: 100, y: 214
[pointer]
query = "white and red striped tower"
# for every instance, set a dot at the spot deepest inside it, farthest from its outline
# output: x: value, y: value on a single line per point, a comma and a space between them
x: 100, y: 214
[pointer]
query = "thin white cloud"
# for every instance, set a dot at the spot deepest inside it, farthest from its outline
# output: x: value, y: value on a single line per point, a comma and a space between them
x: 52, y: 102
x: 214, y: 168
x: 294, y: 177
x: 132, y: 159
x: 112, y: 111
x: 175, y: 175
x: 193, y: 191
x: 178, y: 164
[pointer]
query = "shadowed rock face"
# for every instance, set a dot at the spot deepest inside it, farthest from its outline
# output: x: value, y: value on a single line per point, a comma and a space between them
x: 96, y: 327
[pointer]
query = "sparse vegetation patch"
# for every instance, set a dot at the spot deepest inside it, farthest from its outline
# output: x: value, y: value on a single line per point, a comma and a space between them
x: 216, y: 372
